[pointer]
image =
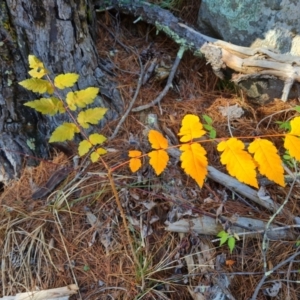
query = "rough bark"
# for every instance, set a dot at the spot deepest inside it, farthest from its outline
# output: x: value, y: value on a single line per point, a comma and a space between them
x: 58, y: 33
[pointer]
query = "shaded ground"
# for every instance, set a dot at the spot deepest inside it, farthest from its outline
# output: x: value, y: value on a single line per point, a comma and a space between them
x: 51, y: 242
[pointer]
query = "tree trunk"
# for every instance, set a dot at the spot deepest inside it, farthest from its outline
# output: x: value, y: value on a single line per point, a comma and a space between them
x: 59, y: 33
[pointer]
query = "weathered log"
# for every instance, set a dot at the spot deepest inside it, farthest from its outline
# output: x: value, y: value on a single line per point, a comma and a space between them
x: 258, y: 63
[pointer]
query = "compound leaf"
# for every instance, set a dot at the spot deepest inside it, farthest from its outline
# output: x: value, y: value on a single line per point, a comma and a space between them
x: 64, y: 132
x: 35, y: 63
x: 292, y: 144
x: 239, y: 163
x: 157, y: 140
x: 135, y: 162
x: 191, y: 128
x: 81, y: 98
x: 223, y: 235
x: 38, y: 73
x: 37, y: 85
x: 96, y: 154
x: 158, y: 160
x: 295, y: 126
x: 194, y: 161
x: 50, y: 106
x: 269, y: 162
x: 84, y: 147
x: 96, y: 138
x: 92, y: 116
x: 65, y: 80
x: 231, y: 243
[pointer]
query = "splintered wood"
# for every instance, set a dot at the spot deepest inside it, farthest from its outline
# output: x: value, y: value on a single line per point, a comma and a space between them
x: 61, y: 293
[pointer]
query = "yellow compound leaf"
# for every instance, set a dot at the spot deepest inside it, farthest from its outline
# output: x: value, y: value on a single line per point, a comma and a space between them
x: 92, y: 116
x: 194, y: 161
x: 37, y: 85
x: 135, y: 162
x: 157, y: 140
x: 64, y: 132
x: 37, y: 73
x: 50, y: 106
x: 292, y: 144
x: 96, y: 154
x: 97, y: 139
x: 81, y: 98
x: 65, y: 80
x: 295, y: 126
x: 34, y: 62
x: 191, y: 128
x: 269, y: 162
x: 84, y: 147
x: 158, y: 160
x: 239, y: 163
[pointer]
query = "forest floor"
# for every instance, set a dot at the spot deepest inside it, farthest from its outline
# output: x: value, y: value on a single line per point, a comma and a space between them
x: 77, y: 236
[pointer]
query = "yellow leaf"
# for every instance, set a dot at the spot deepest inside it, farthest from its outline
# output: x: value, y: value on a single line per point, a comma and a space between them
x: 84, y: 147
x: 92, y: 116
x: 135, y: 162
x: 158, y: 160
x: 96, y: 154
x: 292, y: 144
x: 34, y: 62
x: 269, y: 162
x: 81, y: 98
x: 96, y: 138
x: 295, y: 126
x: 194, y: 161
x: 191, y: 128
x: 37, y: 73
x: 50, y: 106
x: 134, y: 153
x: 157, y: 140
x: 65, y: 80
x: 37, y: 85
x: 64, y: 132
x: 239, y: 163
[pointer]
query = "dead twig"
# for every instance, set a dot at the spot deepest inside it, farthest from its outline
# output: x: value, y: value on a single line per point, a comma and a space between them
x: 140, y: 82
x: 169, y: 82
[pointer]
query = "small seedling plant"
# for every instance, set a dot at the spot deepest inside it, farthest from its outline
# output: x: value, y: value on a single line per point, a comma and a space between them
x: 228, y: 238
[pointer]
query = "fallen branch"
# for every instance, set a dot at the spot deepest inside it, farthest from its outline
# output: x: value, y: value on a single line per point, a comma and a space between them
x: 61, y: 293
x: 208, y: 226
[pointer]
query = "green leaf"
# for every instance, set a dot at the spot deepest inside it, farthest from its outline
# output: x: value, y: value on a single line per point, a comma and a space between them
x: 96, y: 138
x: 92, y: 116
x: 297, y: 108
x: 207, y: 127
x: 84, y: 147
x: 65, y: 80
x: 86, y: 268
x: 231, y: 243
x: 50, y: 106
x: 81, y: 98
x: 223, y: 235
x: 37, y: 85
x: 207, y: 119
x: 212, y: 134
x: 64, y: 132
